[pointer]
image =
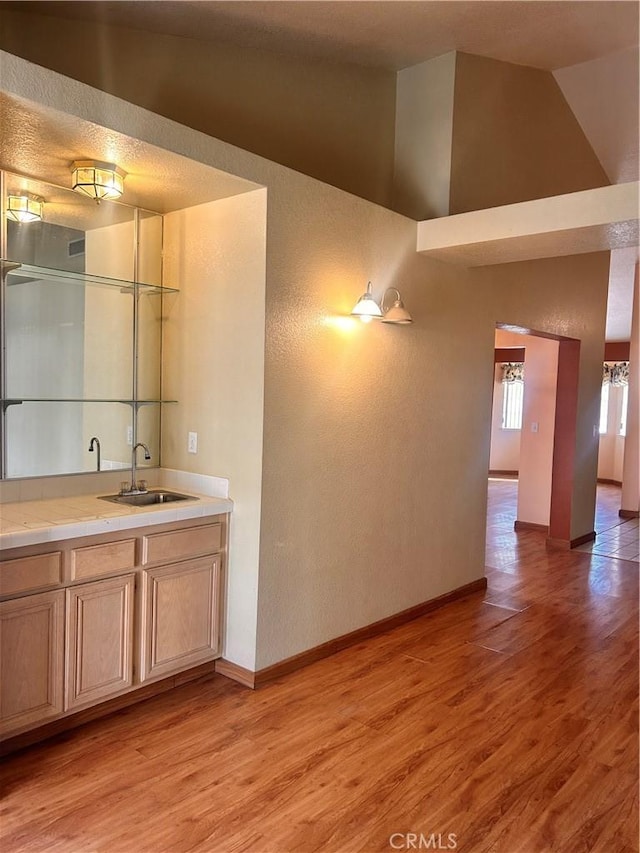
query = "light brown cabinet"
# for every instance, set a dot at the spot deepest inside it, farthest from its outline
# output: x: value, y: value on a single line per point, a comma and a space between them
x: 99, y: 640
x: 98, y: 560
x: 180, y: 621
x: 101, y: 616
x: 31, y: 660
x: 31, y: 573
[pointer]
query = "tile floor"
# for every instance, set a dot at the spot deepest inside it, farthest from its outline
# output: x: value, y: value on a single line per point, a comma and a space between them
x: 616, y: 537
x: 621, y: 541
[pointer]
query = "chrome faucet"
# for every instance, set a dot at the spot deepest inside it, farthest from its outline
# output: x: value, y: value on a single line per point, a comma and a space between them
x: 95, y: 442
x: 136, y: 488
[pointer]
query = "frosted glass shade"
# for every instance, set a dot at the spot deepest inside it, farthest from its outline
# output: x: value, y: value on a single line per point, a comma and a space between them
x: 366, y: 308
x: 397, y: 314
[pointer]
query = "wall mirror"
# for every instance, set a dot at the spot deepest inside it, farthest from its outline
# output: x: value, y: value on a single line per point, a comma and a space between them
x: 81, y: 333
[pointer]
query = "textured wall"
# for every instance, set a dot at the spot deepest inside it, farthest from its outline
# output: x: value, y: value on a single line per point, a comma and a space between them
x: 214, y: 367
x: 375, y: 446
x: 376, y: 438
x: 333, y: 121
x: 562, y: 296
x: 514, y: 137
x: 631, y: 464
x: 599, y: 95
x: 532, y: 452
x: 423, y: 133
x: 536, y: 448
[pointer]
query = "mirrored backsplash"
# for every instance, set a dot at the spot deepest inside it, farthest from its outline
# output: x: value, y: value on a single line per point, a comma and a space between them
x: 81, y: 333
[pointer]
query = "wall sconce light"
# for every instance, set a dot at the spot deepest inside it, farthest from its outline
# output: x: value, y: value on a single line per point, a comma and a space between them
x: 367, y: 309
x: 24, y: 208
x: 397, y: 313
x: 98, y: 180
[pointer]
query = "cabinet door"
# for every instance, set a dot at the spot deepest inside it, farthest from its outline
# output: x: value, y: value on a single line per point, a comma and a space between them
x: 31, y: 660
x: 99, y: 659
x: 181, y: 624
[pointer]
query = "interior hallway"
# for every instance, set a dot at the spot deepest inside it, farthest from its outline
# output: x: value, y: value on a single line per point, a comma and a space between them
x: 508, y: 719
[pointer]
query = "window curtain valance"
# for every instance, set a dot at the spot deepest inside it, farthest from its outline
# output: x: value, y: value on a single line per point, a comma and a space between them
x: 513, y: 371
x: 616, y: 373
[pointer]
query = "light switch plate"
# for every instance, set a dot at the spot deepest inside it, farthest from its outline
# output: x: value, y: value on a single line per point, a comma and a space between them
x: 192, y: 442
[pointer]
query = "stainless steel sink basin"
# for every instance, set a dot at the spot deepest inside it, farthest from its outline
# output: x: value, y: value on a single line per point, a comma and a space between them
x: 150, y: 498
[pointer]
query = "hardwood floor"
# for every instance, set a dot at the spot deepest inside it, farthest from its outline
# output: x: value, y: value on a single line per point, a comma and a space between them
x: 505, y: 722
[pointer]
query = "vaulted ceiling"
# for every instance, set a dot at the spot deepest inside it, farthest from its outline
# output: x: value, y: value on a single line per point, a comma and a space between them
x: 393, y: 34
x: 592, y: 47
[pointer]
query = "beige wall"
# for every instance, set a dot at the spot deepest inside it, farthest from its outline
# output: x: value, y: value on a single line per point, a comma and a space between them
x: 534, y: 450
x: 376, y: 438
x: 599, y: 94
x: 514, y: 137
x: 367, y: 457
x: 538, y: 431
x: 562, y: 296
x: 631, y: 464
x: 423, y: 132
x: 214, y: 367
x: 333, y: 121
x: 376, y: 444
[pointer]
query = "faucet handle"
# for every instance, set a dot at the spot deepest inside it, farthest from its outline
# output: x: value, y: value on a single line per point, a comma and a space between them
x: 142, y: 485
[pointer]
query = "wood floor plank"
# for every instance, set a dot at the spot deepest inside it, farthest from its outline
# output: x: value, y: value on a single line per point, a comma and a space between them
x: 508, y: 718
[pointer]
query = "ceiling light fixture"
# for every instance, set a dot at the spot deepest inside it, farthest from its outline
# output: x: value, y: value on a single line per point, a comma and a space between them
x: 367, y: 309
x: 98, y: 180
x: 25, y: 207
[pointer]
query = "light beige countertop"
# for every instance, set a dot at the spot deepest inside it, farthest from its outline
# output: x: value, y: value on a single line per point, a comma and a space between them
x: 31, y: 522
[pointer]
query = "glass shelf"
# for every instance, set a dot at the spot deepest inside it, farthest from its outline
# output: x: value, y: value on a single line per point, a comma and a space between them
x: 14, y: 401
x: 17, y: 273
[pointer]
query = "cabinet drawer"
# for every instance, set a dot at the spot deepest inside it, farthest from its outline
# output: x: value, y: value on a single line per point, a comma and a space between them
x: 180, y: 544
x: 96, y: 560
x: 29, y: 573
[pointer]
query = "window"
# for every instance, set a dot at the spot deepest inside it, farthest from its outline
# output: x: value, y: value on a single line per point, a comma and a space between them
x: 604, y: 409
x: 623, y: 413
x: 512, y: 405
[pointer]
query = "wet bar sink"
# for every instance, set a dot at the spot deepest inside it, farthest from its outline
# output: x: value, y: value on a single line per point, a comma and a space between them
x: 150, y: 498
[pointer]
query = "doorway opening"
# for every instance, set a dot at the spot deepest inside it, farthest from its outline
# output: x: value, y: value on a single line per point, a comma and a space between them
x: 541, y: 453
